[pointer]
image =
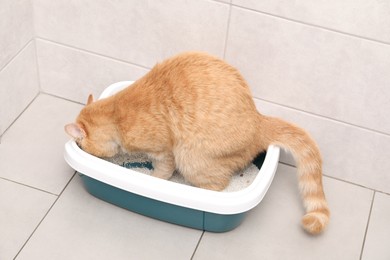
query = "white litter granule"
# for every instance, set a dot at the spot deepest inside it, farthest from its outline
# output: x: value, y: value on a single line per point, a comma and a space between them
x: 239, y: 181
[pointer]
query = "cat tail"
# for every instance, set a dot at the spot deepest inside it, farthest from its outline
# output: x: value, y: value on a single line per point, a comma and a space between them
x: 309, y: 165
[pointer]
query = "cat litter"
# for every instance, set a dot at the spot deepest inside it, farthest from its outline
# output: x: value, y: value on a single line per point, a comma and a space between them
x: 126, y: 182
x: 141, y: 163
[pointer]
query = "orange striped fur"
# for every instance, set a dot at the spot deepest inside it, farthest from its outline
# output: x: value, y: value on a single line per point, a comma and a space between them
x: 195, y: 113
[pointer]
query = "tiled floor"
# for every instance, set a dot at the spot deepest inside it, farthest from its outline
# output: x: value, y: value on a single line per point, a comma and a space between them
x: 47, y: 214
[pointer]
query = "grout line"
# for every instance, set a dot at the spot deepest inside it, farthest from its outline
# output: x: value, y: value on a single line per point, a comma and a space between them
x: 20, y: 114
x: 93, y: 53
x: 382, y: 192
x: 44, y: 217
x: 32, y: 40
x: 65, y: 99
x: 197, y: 245
x: 351, y: 183
x: 227, y: 30
x: 221, y: 1
x: 224, y: 53
x: 17, y: 54
x: 324, y: 117
x: 62, y: 98
x: 367, y: 226
x: 288, y: 164
x: 313, y: 25
x: 341, y: 180
x: 29, y: 104
x: 37, y: 65
x: 28, y: 186
x: 33, y: 15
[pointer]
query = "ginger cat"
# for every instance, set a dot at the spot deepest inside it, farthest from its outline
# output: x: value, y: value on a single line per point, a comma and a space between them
x: 195, y: 113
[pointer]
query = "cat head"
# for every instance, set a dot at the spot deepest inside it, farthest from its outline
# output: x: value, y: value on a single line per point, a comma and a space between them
x: 93, y: 131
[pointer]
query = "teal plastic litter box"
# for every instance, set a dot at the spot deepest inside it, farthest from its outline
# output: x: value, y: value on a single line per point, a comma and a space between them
x: 169, y: 201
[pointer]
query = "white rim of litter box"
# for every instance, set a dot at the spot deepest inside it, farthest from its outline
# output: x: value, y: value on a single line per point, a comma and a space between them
x: 171, y: 192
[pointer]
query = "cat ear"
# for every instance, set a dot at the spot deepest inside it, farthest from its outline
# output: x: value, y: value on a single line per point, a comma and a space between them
x: 75, y: 131
x: 90, y: 99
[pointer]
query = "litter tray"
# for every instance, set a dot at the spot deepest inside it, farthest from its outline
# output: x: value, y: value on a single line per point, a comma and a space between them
x: 166, y: 200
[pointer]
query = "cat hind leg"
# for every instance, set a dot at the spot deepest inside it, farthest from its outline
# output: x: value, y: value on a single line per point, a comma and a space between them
x: 163, y: 164
x: 208, y: 175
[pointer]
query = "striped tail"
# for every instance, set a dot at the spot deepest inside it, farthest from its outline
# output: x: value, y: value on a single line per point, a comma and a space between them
x: 309, y: 165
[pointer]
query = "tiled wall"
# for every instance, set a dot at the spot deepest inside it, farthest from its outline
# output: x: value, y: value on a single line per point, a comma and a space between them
x: 321, y: 64
x: 18, y: 69
x: 98, y: 42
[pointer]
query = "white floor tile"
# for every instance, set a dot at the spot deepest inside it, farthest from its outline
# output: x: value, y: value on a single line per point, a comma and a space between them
x: 31, y: 151
x: 272, y: 230
x: 378, y: 236
x: 21, y: 210
x: 81, y: 226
